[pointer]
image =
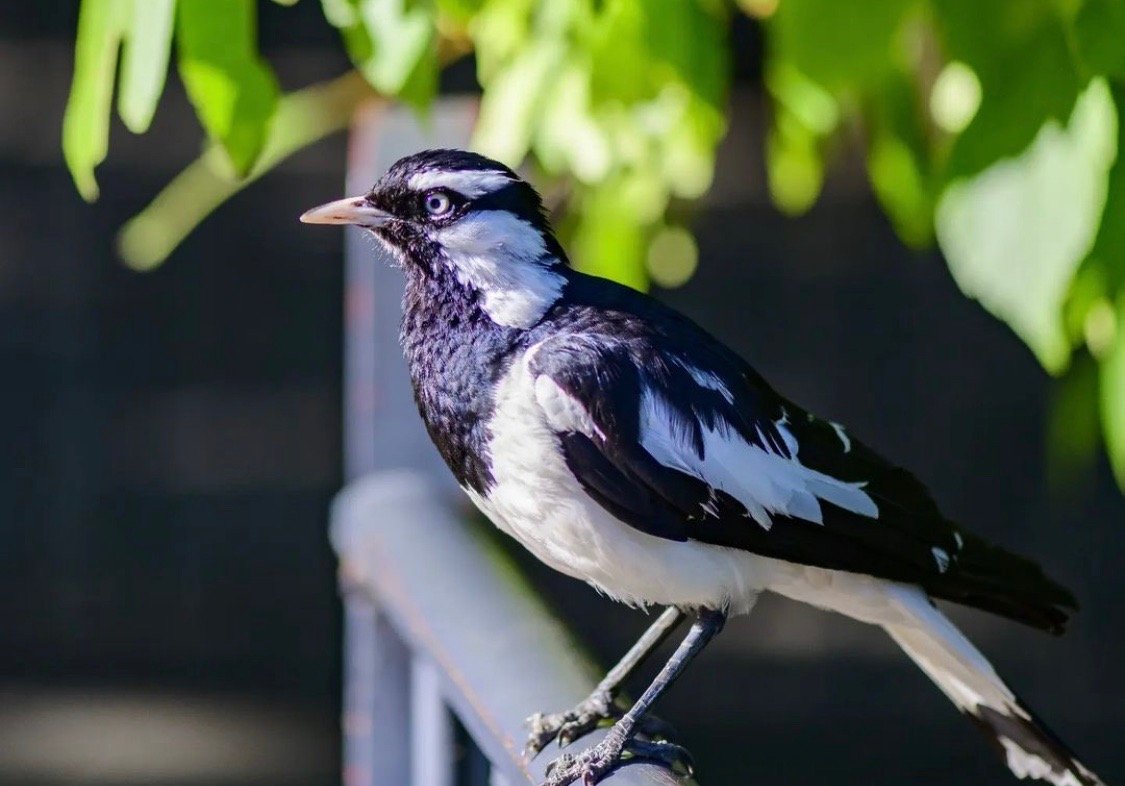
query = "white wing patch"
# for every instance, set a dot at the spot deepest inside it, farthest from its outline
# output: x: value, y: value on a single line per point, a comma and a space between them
x: 707, y: 379
x: 470, y: 183
x: 505, y: 259
x: 562, y: 411
x: 765, y: 482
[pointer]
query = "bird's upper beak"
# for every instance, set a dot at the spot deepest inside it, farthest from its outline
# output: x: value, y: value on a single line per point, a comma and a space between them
x: 351, y: 210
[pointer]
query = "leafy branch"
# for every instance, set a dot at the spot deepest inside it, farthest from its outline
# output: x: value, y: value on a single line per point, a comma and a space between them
x: 989, y: 128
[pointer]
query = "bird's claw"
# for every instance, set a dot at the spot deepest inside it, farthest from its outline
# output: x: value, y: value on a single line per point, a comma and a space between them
x: 592, y: 764
x: 591, y: 712
x: 570, y: 725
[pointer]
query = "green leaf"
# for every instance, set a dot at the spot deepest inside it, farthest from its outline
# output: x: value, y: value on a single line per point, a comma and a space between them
x: 393, y: 43
x: 144, y: 61
x: 1106, y: 260
x: 610, y: 240
x: 1019, y: 51
x: 794, y: 164
x: 839, y: 45
x: 232, y: 88
x: 1099, y: 30
x: 510, y: 107
x: 1112, y: 386
x: 1014, y: 234
x: 898, y: 161
x: 101, y: 24
x: 302, y: 118
x: 499, y: 31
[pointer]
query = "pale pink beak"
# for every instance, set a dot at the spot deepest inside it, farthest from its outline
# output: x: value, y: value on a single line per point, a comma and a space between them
x: 351, y: 210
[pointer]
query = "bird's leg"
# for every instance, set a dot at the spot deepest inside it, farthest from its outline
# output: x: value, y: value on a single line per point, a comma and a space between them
x: 600, y: 704
x: 619, y: 743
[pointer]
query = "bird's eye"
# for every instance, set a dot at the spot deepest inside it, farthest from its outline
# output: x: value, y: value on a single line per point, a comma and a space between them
x: 438, y: 203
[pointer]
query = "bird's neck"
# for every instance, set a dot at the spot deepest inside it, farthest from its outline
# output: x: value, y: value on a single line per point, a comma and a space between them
x: 455, y: 354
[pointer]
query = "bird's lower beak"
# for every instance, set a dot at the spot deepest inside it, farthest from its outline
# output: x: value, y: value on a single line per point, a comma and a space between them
x: 352, y: 210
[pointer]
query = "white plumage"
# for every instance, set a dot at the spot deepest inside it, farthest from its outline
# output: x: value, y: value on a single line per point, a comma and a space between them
x: 763, y: 481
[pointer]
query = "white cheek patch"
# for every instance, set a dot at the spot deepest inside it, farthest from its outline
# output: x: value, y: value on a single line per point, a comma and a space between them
x: 764, y: 482
x: 469, y: 183
x: 505, y: 259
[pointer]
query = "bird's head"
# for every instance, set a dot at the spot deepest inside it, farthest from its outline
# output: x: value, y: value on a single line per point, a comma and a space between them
x: 451, y: 211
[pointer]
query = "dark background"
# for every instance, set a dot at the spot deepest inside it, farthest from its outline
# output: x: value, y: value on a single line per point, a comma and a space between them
x: 171, y: 441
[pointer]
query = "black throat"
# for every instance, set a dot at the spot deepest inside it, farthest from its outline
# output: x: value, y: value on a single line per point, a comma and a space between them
x: 456, y: 355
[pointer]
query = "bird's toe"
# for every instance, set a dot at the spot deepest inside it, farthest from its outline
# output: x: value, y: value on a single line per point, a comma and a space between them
x: 675, y: 757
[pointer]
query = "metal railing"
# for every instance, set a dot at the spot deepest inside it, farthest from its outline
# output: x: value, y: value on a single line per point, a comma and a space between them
x: 440, y: 626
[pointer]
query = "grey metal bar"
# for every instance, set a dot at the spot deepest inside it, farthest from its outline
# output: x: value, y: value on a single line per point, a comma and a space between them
x: 461, y: 604
x: 431, y: 747
x: 381, y: 430
x: 376, y: 699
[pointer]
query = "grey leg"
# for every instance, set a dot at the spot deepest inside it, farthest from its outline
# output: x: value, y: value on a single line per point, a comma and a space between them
x: 595, y: 762
x: 600, y: 705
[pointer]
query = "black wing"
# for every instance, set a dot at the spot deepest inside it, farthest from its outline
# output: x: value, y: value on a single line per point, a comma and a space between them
x: 691, y: 444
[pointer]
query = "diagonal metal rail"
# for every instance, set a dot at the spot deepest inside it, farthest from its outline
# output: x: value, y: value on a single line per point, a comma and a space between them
x: 442, y: 623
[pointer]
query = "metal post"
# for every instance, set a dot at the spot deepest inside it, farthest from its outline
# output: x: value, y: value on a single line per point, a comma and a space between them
x: 381, y: 431
x: 431, y: 749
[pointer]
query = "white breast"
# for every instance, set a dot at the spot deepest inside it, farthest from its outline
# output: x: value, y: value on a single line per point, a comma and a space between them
x: 537, y: 500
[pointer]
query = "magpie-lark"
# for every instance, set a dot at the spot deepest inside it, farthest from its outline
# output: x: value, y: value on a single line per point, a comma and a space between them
x: 625, y: 446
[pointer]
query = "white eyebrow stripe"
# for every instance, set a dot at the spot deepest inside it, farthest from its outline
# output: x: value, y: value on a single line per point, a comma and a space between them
x: 470, y: 183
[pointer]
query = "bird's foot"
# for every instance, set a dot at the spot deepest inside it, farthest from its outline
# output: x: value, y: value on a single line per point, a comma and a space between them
x: 591, y: 712
x: 592, y: 764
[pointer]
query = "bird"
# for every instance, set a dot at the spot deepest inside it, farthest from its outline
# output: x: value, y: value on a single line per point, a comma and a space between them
x: 625, y: 446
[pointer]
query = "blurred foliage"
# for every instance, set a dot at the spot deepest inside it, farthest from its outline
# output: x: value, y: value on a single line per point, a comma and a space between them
x: 991, y: 128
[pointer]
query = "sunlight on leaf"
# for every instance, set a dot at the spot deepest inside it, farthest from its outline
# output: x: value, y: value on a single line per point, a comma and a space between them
x: 1032, y: 220
x: 101, y: 25
x: 144, y: 61
x: 392, y: 43
x: 510, y: 109
x: 1020, y: 53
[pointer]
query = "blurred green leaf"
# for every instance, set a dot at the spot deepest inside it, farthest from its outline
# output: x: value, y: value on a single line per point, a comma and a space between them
x: 608, y: 240
x: 836, y: 44
x: 232, y: 88
x: 499, y: 30
x: 101, y: 25
x: 1106, y: 260
x: 510, y: 108
x: 393, y: 43
x: 794, y: 164
x: 1020, y: 52
x: 898, y: 161
x: 302, y: 118
x: 1112, y: 386
x: 1014, y: 234
x: 144, y: 61
x: 1099, y: 30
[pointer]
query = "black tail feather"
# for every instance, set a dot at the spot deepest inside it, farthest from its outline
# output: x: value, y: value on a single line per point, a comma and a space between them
x: 993, y: 579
